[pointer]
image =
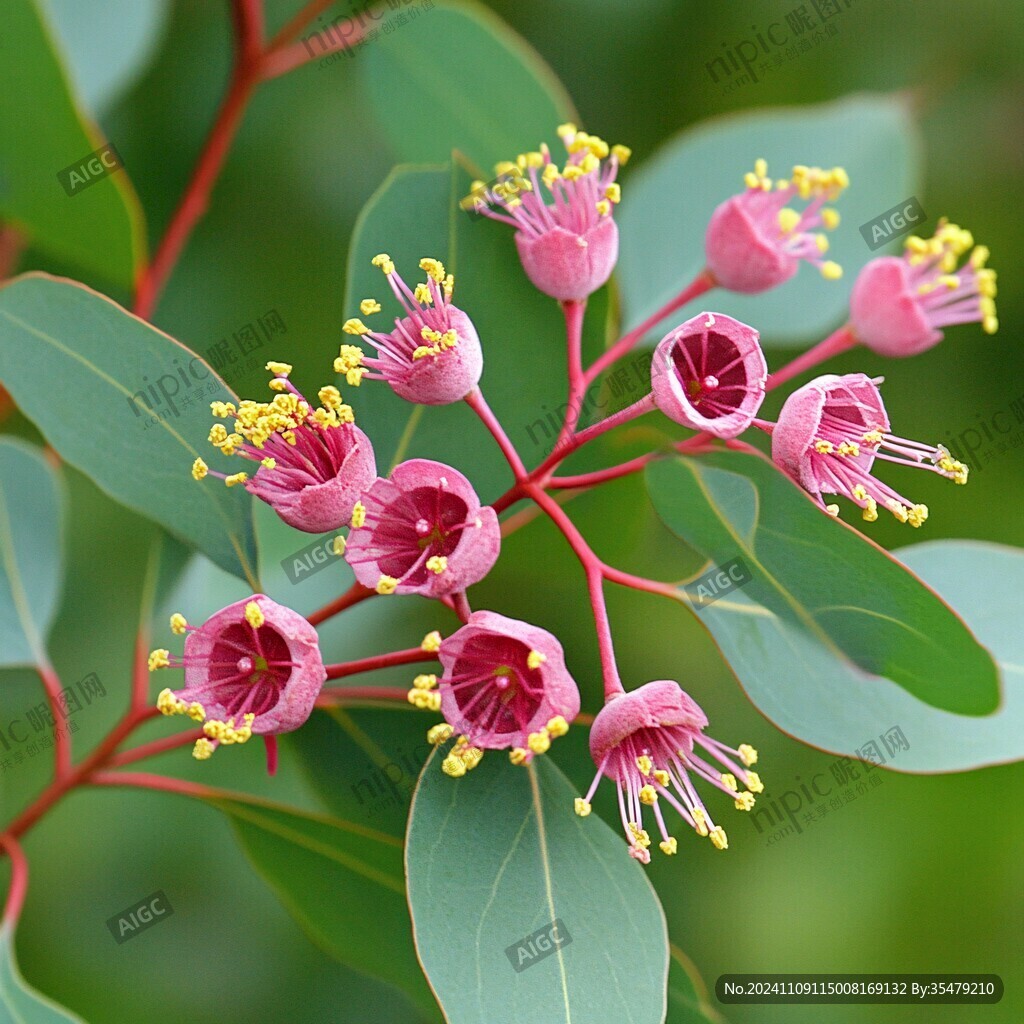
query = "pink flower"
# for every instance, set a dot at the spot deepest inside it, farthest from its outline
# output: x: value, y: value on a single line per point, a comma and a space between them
x: 644, y: 742
x: 505, y: 685
x: 422, y: 531
x: 829, y: 434
x: 568, y: 247
x: 432, y: 356
x: 755, y: 240
x: 709, y: 374
x: 898, y: 304
x: 314, y: 463
x: 253, y: 668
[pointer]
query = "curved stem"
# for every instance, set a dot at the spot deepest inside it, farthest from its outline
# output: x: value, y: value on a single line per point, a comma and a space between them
x: 702, y: 283
x: 356, y: 593
x: 61, y: 739
x: 593, y: 567
x: 152, y: 749
x: 475, y: 400
x: 379, y: 661
x: 19, y: 880
x: 331, y: 696
x: 838, y: 341
x: 601, y: 476
x: 161, y: 783
x: 573, y: 311
x: 461, y: 604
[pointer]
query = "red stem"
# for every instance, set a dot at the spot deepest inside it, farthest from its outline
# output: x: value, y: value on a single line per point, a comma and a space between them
x: 461, y: 604
x: 356, y: 593
x: 379, y: 661
x: 475, y: 400
x: 573, y: 311
x: 61, y: 739
x: 601, y: 476
x: 838, y: 341
x: 19, y: 880
x: 332, y: 695
x: 146, y: 780
x: 593, y: 568
x: 702, y: 283
x: 161, y: 746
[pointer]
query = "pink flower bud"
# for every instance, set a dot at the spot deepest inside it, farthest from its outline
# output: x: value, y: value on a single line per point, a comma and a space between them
x: 253, y: 668
x: 898, y: 304
x: 568, y: 247
x: 505, y: 686
x: 644, y: 742
x: 313, y: 463
x: 709, y: 374
x: 432, y: 356
x: 829, y: 434
x: 422, y: 531
x: 756, y: 239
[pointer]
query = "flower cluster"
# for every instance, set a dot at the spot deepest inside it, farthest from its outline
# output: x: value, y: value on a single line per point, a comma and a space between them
x: 254, y: 668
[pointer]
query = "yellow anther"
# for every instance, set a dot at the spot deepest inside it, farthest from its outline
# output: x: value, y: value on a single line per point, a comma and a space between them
x: 434, y: 701
x: 603, y: 207
x: 613, y: 192
x: 873, y: 437
x: 581, y: 806
x: 701, y: 821
x: 439, y: 734
x: 849, y: 448
x: 668, y: 847
x: 729, y: 781
x: 648, y: 795
x: 830, y: 218
x: 567, y: 130
x: 761, y: 167
x: 168, y: 704
x: 253, y: 615
x: 622, y: 154
x: 788, y: 219
x: 383, y: 260
x: 572, y: 172
x: 449, y: 339
x: 719, y: 839
x: 754, y: 783
x: 203, y: 750
x: 551, y: 175
x: 279, y: 369
x: 159, y: 658
x: 223, y: 409
x: 744, y: 801
x: 268, y: 463
x: 235, y: 478
x: 860, y: 493
x: 422, y: 294
x: 453, y: 766
x: 358, y: 514
x: 369, y: 306
x: 218, y: 434
x: 821, y: 241
x: 539, y: 742
x: 330, y: 397
x: 535, y: 659
x: 751, y: 180
x: 423, y: 351
x: 916, y: 515
x: 518, y: 755
x: 435, y: 268
x: 645, y: 764
x: 437, y: 564
x: 386, y: 584
x: 831, y: 271
x: 990, y: 324
x: 179, y: 624
x: 355, y: 326
x: 640, y: 836
x: 431, y: 643
x: 833, y: 511
x: 199, y: 469
x: 557, y: 726
x: 900, y: 511
x: 824, y: 447
x: 870, y: 513
x: 748, y: 755
x: 277, y: 384
x: 425, y: 681
x: 661, y: 776
x: 589, y: 164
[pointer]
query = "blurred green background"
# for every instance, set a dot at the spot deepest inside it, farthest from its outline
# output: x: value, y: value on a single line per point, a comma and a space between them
x: 922, y: 875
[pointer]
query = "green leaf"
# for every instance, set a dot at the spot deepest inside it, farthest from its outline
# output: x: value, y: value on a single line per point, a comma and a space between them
x: 31, y: 502
x: 341, y: 881
x: 19, y: 1002
x: 668, y: 202
x: 831, y: 705
x: 42, y: 131
x: 687, y: 994
x: 489, y: 94
x: 107, y: 44
x: 825, y: 577
x: 498, y: 855
x: 77, y: 364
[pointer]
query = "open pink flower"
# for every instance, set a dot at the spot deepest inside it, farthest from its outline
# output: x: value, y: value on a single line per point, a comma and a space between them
x: 644, y: 742
x: 756, y: 239
x: 422, y: 531
x: 709, y: 374
x: 432, y: 356
x: 505, y: 687
x: 568, y: 247
x: 899, y: 304
x: 313, y: 463
x: 829, y: 434
x: 253, y: 668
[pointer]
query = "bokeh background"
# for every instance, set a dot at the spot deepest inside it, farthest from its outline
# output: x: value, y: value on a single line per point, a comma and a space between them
x: 921, y: 875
